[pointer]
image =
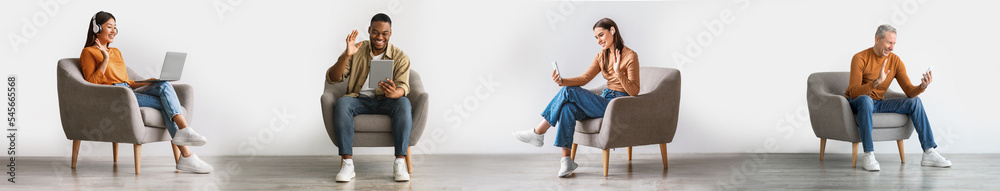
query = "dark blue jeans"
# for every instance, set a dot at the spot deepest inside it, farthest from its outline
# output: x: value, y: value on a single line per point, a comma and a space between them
x: 160, y: 96
x: 347, y: 107
x: 574, y: 103
x: 865, y: 106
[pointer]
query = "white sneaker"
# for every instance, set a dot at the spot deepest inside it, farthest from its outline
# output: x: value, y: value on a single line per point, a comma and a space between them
x: 187, y: 137
x: 566, y: 167
x: 346, y: 171
x: 399, y: 170
x: 194, y: 164
x: 932, y: 158
x: 869, y: 163
x: 529, y: 136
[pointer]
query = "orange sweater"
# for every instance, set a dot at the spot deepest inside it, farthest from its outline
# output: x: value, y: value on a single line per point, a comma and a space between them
x: 625, y: 80
x: 865, y: 69
x: 90, y: 61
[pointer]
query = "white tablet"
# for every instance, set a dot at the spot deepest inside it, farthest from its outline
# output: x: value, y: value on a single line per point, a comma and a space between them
x: 379, y: 71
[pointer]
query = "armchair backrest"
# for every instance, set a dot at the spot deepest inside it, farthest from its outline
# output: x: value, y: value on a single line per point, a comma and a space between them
x: 835, y: 83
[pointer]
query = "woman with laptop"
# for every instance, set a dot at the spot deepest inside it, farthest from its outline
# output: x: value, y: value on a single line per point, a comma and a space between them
x: 101, y: 64
x: 617, y: 63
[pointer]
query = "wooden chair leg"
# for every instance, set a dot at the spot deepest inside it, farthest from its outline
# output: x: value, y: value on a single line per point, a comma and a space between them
x: 114, y: 146
x: 663, y: 154
x: 76, y: 152
x: 854, y: 155
x: 137, y: 148
x: 572, y: 152
x: 177, y: 153
x: 409, y: 165
x: 629, y: 153
x: 822, y: 148
x: 902, y: 157
x: 607, y: 155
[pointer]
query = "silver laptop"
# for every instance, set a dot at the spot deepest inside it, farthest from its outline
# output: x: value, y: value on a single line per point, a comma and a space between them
x: 379, y: 71
x: 173, y: 65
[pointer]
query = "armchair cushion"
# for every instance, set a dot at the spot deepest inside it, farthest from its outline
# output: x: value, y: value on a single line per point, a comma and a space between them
x: 153, y: 118
x: 589, y: 125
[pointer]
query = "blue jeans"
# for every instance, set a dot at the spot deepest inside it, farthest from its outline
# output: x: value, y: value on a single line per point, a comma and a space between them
x: 865, y: 106
x: 347, y: 107
x: 574, y: 103
x: 160, y: 96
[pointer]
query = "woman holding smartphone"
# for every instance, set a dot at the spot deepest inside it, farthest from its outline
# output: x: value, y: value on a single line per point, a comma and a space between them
x: 101, y: 64
x: 620, y: 67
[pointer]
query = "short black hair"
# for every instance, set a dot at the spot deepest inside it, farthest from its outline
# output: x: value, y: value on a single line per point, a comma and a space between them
x: 381, y: 17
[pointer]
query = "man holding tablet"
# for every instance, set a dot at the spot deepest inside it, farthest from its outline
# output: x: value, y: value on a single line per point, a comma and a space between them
x: 355, y: 66
x: 872, y: 71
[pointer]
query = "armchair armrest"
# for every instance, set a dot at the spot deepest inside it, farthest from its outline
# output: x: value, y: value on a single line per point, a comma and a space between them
x: 331, y: 92
x: 419, y: 102
x: 96, y: 112
x: 185, y: 94
x: 830, y: 114
x: 648, y: 118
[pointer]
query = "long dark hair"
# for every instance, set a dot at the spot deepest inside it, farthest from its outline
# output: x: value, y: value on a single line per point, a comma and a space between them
x: 607, y: 23
x: 101, y: 18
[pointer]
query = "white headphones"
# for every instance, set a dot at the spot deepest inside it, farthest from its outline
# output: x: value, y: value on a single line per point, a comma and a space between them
x: 97, y: 28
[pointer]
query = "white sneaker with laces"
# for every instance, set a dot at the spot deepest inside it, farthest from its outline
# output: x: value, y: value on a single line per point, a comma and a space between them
x: 566, y: 167
x: 869, y: 163
x: 194, y: 164
x: 187, y: 137
x: 529, y: 136
x: 346, y: 171
x: 932, y: 158
x: 399, y: 171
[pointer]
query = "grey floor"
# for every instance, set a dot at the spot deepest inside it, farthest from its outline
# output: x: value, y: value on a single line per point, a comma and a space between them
x: 517, y: 172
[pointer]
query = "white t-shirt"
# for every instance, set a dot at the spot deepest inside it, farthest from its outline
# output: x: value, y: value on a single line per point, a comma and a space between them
x: 369, y: 91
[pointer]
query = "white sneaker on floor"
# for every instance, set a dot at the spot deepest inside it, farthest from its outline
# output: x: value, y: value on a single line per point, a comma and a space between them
x: 399, y: 171
x: 187, y: 137
x: 194, y: 164
x: 869, y: 163
x: 529, y: 136
x: 566, y: 167
x: 932, y: 158
x: 346, y: 171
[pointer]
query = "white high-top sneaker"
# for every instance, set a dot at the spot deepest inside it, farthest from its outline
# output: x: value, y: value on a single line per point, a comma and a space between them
x: 346, y: 171
x: 869, y: 163
x: 566, y: 167
x: 399, y: 171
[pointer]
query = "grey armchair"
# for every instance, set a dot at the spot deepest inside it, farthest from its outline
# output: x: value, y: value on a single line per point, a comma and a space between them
x: 376, y: 130
x: 832, y: 117
x: 644, y: 119
x: 94, y: 112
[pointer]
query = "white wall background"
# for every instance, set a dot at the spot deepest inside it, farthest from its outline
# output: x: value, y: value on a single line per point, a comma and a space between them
x: 258, y: 66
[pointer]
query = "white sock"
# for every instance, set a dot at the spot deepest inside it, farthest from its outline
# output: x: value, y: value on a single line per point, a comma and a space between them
x: 348, y: 161
x: 400, y: 160
x: 870, y: 152
x: 929, y: 151
x: 564, y: 158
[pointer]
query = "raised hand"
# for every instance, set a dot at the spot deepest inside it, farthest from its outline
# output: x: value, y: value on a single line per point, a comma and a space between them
x: 882, y: 74
x: 101, y: 46
x: 352, y: 46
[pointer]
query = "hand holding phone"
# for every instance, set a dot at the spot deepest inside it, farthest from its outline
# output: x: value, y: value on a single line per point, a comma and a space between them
x: 556, y: 75
x: 927, y: 78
